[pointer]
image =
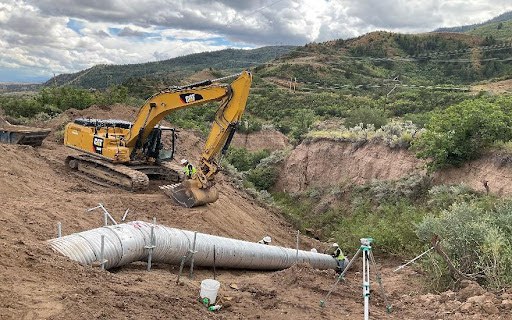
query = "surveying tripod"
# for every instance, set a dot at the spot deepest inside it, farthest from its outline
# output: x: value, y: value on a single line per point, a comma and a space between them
x: 366, y: 250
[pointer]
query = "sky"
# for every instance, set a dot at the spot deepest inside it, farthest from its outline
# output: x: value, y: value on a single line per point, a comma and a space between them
x: 40, y: 38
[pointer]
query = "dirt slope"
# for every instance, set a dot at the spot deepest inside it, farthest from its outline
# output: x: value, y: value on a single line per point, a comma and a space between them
x: 328, y: 163
x: 36, y: 192
x: 270, y: 140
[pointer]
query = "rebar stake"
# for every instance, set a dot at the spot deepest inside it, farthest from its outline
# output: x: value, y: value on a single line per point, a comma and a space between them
x: 192, y: 256
x: 102, y: 253
x: 297, y: 255
x: 125, y: 214
x: 214, y: 271
x: 59, y: 229
x: 152, y: 244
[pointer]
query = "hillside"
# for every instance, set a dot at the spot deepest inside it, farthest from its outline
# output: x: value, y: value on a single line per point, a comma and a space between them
x: 327, y: 163
x: 34, y: 201
x: 170, y: 71
x: 504, y: 17
x: 378, y: 57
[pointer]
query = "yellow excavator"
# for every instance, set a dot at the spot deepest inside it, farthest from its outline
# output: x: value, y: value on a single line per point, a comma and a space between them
x: 126, y: 154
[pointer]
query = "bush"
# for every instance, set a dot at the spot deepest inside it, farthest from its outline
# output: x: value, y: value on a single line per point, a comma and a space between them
x: 412, y: 187
x: 477, y: 239
x: 263, y: 178
x: 443, y: 196
x: 462, y: 132
x: 366, y: 116
x: 381, y: 224
x: 250, y: 124
x: 244, y: 160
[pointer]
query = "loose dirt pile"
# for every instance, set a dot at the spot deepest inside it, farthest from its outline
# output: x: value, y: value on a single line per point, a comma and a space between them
x: 37, y: 191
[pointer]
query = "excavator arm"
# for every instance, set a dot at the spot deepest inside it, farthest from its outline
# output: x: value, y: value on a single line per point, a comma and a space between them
x: 233, y: 97
x: 198, y: 190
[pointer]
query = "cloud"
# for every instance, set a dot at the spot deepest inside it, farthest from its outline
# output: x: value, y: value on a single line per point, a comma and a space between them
x: 58, y: 36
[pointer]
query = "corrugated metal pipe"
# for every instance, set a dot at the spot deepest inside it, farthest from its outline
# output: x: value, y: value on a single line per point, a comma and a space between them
x: 129, y: 242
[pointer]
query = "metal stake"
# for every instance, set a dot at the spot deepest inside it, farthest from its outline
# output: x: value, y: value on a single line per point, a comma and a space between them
x: 214, y: 272
x: 181, y: 267
x: 192, y: 256
x: 59, y: 229
x: 102, y: 252
x: 297, y: 255
x: 125, y: 214
x: 105, y: 212
x: 105, y: 219
x: 151, y: 244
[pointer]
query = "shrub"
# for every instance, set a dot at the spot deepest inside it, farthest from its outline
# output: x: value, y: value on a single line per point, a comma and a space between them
x: 366, y: 116
x: 443, y: 196
x: 381, y: 224
x: 263, y: 178
x: 463, y: 131
x: 244, y: 160
x: 477, y: 239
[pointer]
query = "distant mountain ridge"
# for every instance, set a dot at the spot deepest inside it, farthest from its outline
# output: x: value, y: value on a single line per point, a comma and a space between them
x: 507, y: 16
x: 102, y: 76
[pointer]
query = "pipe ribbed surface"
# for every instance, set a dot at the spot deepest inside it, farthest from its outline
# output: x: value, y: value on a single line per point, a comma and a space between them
x: 126, y: 243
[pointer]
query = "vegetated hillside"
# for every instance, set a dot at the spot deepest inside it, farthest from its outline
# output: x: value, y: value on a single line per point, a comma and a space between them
x: 498, y: 30
x: 505, y: 17
x: 172, y: 70
x: 379, y: 57
x: 17, y: 87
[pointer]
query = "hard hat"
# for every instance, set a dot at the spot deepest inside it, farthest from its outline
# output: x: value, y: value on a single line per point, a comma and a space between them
x: 267, y: 239
x: 335, y: 245
x: 184, y: 161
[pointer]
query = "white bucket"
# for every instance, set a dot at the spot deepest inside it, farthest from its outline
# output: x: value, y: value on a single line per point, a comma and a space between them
x: 209, y: 289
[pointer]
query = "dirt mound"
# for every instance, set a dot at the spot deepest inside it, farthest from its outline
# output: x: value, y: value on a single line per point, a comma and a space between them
x: 270, y: 140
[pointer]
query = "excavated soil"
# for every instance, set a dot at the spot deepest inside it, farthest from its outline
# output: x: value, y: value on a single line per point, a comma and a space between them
x: 37, y: 192
x: 270, y: 140
x: 326, y: 162
x: 498, y: 87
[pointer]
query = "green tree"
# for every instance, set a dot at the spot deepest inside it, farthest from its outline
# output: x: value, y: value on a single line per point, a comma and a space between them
x: 463, y: 131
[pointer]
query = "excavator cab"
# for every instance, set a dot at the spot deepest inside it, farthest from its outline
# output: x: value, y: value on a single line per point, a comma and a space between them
x: 154, y: 145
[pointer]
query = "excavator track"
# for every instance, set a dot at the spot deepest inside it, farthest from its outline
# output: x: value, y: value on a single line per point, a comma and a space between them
x: 105, y: 173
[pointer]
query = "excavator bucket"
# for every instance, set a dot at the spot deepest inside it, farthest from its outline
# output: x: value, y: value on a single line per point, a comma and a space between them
x: 189, y: 194
x: 22, y: 135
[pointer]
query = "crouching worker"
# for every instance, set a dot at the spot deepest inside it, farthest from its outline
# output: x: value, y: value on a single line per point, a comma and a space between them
x: 340, y: 258
x: 266, y: 240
